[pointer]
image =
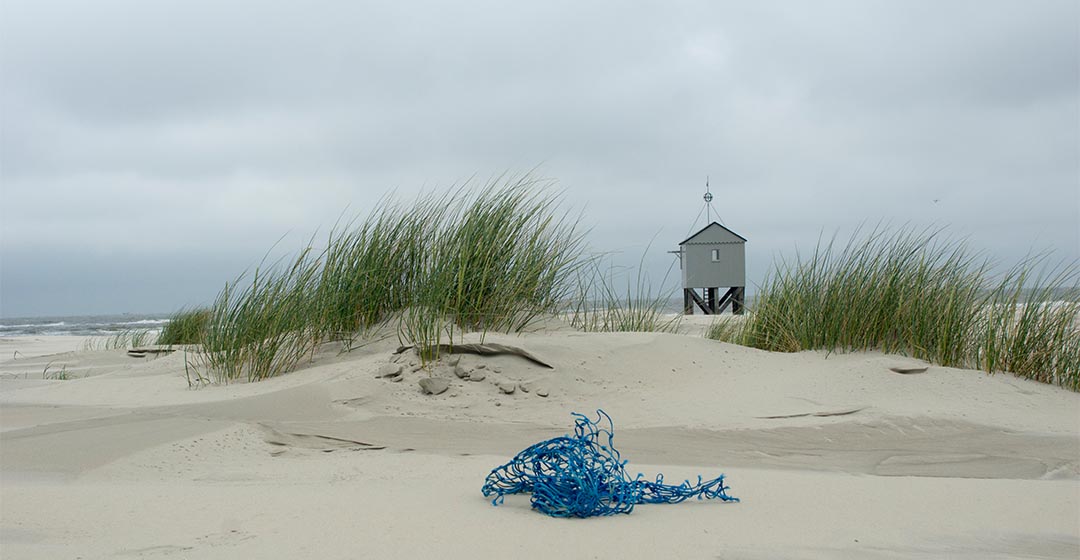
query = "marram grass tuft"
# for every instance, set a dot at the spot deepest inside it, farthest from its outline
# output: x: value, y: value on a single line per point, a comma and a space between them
x: 917, y: 294
x: 494, y: 259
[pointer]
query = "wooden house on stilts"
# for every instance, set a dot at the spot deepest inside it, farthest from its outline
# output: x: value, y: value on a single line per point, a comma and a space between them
x: 711, y: 259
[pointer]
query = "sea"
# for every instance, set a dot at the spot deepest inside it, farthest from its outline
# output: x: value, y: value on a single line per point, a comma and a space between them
x: 81, y: 325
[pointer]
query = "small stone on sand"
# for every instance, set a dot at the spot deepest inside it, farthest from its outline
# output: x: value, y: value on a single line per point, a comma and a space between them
x: 434, y: 385
x: 461, y: 372
x: 477, y: 376
x: 388, y: 370
x: 542, y: 392
x: 508, y: 387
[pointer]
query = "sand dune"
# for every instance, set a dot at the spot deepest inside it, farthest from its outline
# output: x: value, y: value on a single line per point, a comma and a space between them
x: 833, y: 456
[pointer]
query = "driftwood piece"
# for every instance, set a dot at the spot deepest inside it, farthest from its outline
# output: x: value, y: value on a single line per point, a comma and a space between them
x: 154, y: 349
x: 141, y: 352
x: 486, y: 349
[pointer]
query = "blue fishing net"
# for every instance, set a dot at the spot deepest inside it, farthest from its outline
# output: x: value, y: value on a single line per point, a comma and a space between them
x: 583, y: 475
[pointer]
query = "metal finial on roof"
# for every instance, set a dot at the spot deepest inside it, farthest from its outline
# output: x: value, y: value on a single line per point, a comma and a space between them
x: 708, y: 203
x: 707, y: 209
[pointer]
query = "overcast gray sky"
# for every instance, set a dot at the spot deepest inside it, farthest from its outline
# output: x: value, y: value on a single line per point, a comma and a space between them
x: 152, y: 150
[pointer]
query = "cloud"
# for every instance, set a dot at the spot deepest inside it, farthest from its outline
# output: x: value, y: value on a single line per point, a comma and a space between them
x: 134, y: 129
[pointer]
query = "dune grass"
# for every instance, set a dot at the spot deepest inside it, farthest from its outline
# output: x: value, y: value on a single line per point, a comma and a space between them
x: 494, y: 259
x: 127, y: 338
x: 186, y: 326
x: 55, y: 374
x: 1034, y: 332
x: 369, y: 268
x: 600, y: 305
x: 917, y: 293
x: 263, y: 328
x: 506, y: 258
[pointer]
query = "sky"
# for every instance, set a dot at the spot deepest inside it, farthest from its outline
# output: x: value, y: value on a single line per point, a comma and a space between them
x: 152, y: 151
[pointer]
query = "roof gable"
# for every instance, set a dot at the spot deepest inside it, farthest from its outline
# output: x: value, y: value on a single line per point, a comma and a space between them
x: 714, y: 233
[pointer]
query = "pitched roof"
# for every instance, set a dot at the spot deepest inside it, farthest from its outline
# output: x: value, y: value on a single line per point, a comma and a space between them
x: 687, y: 240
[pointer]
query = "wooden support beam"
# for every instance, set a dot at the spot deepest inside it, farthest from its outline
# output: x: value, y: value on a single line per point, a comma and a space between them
x: 726, y: 300
x: 738, y: 300
x: 692, y: 293
x: 710, y: 304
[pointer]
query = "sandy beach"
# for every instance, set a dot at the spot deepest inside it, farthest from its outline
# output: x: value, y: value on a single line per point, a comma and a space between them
x: 293, y: 280
x: 832, y: 456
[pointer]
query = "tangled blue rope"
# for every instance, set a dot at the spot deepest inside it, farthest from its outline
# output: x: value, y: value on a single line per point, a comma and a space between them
x: 579, y: 476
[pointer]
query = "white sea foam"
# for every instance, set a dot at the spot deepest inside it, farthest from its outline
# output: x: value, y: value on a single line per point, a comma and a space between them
x: 86, y: 325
